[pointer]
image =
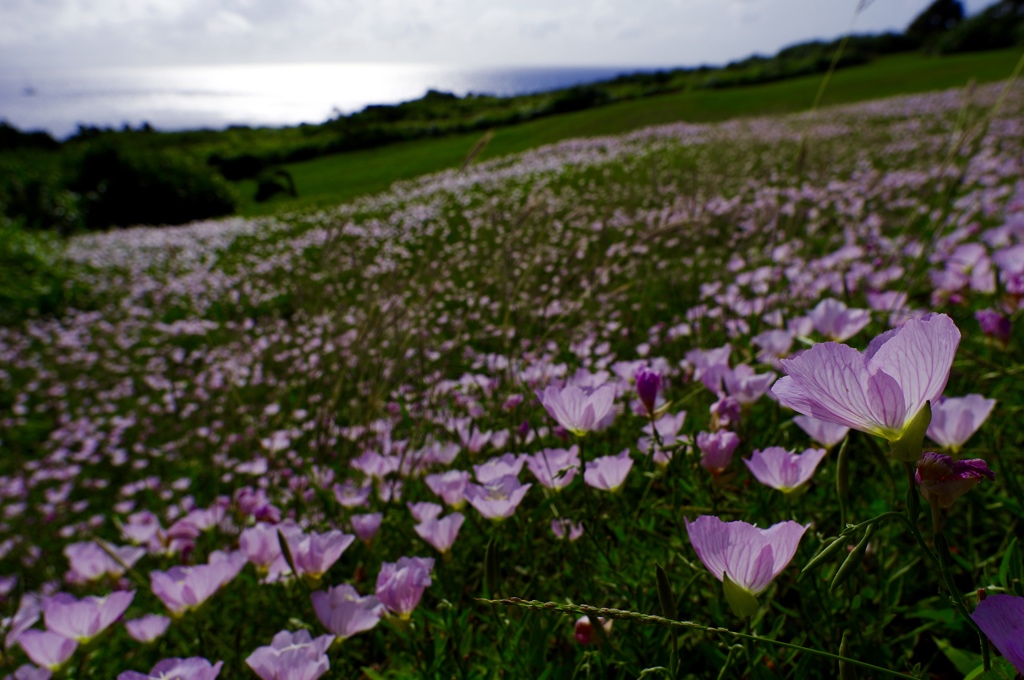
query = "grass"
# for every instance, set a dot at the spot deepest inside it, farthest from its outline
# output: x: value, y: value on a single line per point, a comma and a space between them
x: 334, y: 179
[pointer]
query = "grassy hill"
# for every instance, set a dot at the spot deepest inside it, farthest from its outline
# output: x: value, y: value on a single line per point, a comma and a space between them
x: 333, y: 179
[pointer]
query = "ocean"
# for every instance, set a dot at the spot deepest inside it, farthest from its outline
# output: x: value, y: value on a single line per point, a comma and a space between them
x: 216, y: 97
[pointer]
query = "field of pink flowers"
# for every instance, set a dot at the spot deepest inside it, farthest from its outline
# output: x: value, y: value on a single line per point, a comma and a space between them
x: 734, y: 400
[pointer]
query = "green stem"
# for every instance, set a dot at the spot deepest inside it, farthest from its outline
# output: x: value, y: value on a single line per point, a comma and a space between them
x: 588, y: 500
x: 945, y: 563
x: 941, y: 557
x: 609, y: 613
x: 723, y: 674
x: 843, y: 481
x: 913, y: 504
x: 892, y: 514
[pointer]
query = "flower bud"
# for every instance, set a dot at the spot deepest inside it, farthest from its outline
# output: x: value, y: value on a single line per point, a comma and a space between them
x: 585, y: 633
x: 941, y: 481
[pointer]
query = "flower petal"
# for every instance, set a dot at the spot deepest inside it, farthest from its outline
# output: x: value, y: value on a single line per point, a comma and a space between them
x: 831, y: 382
x: 919, y: 358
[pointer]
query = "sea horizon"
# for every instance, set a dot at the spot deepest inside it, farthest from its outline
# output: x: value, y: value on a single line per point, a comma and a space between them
x: 170, y: 98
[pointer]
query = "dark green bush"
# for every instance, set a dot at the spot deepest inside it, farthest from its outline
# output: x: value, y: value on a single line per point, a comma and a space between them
x: 33, y: 191
x: 999, y: 26
x: 938, y: 18
x: 12, y: 138
x: 243, y: 166
x: 577, y: 98
x: 272, y: 183
x: 121, y: 187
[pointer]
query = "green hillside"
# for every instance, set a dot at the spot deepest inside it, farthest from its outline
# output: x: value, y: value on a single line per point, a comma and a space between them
x: 333, y: 179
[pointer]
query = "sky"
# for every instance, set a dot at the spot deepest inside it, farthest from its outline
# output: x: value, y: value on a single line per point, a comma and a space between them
x: 53, y: 34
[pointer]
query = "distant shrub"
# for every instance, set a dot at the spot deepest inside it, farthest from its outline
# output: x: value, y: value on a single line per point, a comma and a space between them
x: 33, y: 272
x: 234, y: 168
x: 121, y: 187
x: 999, y: 26
x: 938, y: 18
x: 36, y: 195
x: 577, y: 98
x: 275, y: 182
x: 12, y: 138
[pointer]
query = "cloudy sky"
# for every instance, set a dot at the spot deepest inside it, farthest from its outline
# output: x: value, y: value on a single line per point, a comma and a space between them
x: 38, y: 34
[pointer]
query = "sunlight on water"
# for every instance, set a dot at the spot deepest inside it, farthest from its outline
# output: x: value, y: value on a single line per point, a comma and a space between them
x: 218, y: 96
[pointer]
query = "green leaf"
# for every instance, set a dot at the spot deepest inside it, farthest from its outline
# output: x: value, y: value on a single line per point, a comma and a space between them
x: 852, y: 560
x: 742, y: 601
x: 1001, y: 670
x: 825, y: 553
x: 668, y: 603
x: 1011, y: 568
x: 964, y: 661
x: 843, y: 471
x: 847, y: 671
x: 491, y: 571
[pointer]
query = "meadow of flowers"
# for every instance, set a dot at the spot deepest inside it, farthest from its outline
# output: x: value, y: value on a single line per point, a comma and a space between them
x: 735, y: 400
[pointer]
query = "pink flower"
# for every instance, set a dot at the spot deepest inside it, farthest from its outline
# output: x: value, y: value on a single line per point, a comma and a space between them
x: 784, y: 470
x: 836, y: 321
x: 350, y: 495
x: 366, y: 526
x: 185, y: 588
x: 745, y: 558
x: 555, y: 468
x: 1001, y: 618
x: 942, y: 481
x: 710, y: 366
x: 82, y: 620
x: 499, y: 499
x: 725, y: 413
x: 576, y: 409
x: 147, y: 628
x: 499, y: 466
x: 744, y: 385
x: 424, y: 511
x: 292, y: 656
x: 648, y: 383
x: 825, y: 433
x: 774, y: 344
x: 955, y: 419
x: 28, y: 613
x: 609, y: 472
x: 716, y: 449
x: 344, y: 613
x: 30, y: 672
x: 400, y: 585
x: 880, y: 391
x: 260, y: 545
x: 450, y: 486
x: 668, y: 428
x: 90, y: 562
x: 195, y: 668
x: 47, y: 649
x: 315, y: 553
x: 994, y: 325
x: 566, y: 529
x: 583, y: 631
x: 441, y: 533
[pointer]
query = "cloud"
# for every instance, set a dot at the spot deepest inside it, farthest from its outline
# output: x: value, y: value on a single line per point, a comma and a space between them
x: 471, y: 32
x: 224, y: 23
x: 539, y: 30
